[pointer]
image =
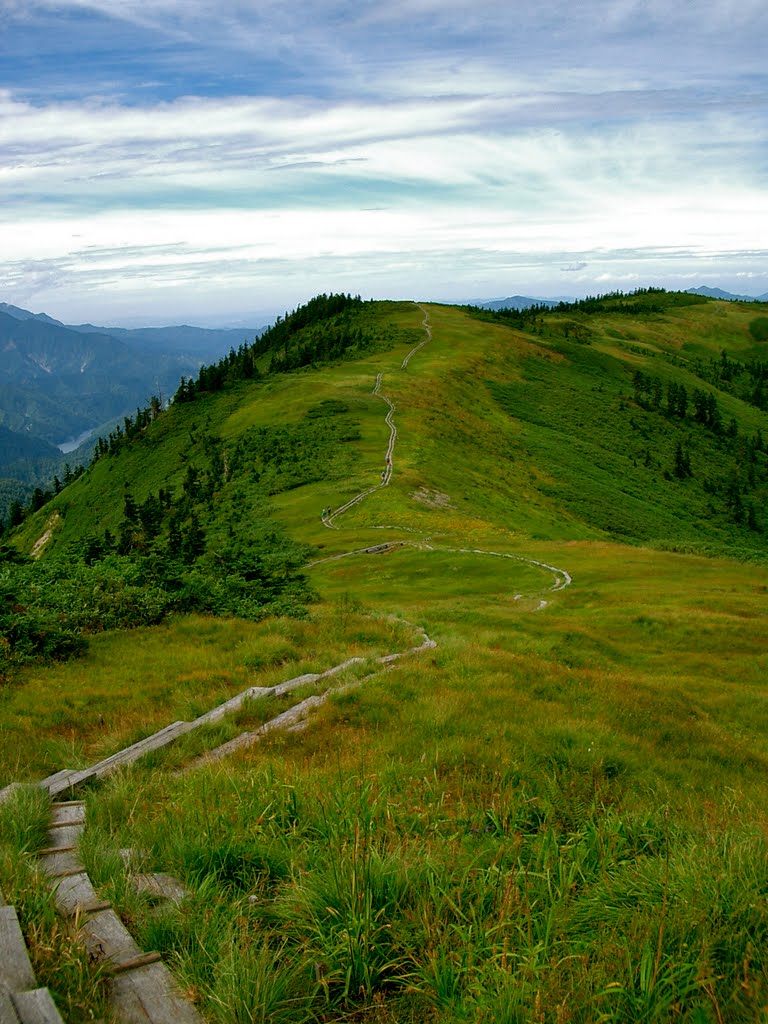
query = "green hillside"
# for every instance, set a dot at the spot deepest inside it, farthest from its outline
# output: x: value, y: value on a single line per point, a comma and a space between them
x: 554, y: 814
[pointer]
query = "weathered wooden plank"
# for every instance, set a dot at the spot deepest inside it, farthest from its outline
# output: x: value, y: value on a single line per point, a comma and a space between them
x: 219, y: 712
x: 36, y: 1007
x: 64, y: 835
x: 159, y: 886
x: 62, y: 773
x: 74, y: 893
x: 285, y: 720
x: 15, y: 968
x: 340, y: 668
x: 149, y: 995
x: 7, y: 792
x: 72, y: 812
x: 294, y: 714
x: 8, y: 1013
x: 61, y: 862
x: 136, y: 750
x: 64, y: 782
x: 291, y: 684
x: 107, y: 939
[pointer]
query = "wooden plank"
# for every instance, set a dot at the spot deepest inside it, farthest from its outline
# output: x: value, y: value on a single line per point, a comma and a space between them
x: 253, y: 693
x: 8, y: 1013
x: 107, y: 939
x: 68, y: 780
x: 36, y: 1007
x: 149, y: 995
x: 340, y: 668
x: 75, y: 892
x: 15, y: 968
x: 154, y: 742
x: 62, y: 773
x: 291, y: 684
x: 64, y: 835
x: 61, y: 863
x: 282, y: 721
x: 9, y: 791
x: 69, y: 813
x: 159, y: 886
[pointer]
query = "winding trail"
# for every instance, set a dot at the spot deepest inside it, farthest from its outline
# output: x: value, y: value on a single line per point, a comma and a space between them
x: 388, y: 455
x: 142, y: 990
x: 562, y: 578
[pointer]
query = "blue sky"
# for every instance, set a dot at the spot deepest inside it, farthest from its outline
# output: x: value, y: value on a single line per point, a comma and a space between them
x: 164, y: 160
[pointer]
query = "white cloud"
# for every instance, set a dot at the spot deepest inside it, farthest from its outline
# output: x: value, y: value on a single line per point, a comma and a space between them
x: 431, y: 140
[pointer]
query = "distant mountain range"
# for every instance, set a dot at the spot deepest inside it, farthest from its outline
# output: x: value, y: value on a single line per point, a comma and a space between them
x: 718, y: 293
x: 526, y: 301
x: 64, y: 383
x: 520, y: 302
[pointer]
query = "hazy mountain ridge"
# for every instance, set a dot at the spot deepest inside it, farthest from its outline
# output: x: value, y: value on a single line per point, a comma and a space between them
x: 62, y: 382
x: 518, y: 302
x: 718, y: 293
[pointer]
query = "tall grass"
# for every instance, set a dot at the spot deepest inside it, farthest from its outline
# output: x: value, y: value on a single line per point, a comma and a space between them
x: 491, y: 891
x: 60, y: 962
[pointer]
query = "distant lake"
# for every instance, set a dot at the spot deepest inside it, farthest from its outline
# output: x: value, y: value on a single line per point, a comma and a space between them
x: 69, y: 446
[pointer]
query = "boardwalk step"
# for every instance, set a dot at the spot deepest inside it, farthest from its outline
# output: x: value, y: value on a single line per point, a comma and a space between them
x: 148, y: 995
x: 107, y: 939
x: 159, y: 886
x: 16, y: 971
x: 36, y: 1007
x: 75, y: 892
x: 61, y: 865
x: 64, y: 835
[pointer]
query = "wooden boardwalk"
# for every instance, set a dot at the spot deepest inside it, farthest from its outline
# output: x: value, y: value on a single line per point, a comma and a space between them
x: 141, y: 988
x: 21, y: 1001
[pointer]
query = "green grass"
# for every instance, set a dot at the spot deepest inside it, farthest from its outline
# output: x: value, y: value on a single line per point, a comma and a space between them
x: 557, y: 813
x: 133, y: 683
x: 59, y: 960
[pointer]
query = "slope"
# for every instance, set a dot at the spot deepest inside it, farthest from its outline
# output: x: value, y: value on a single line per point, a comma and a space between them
x: 557, y: 813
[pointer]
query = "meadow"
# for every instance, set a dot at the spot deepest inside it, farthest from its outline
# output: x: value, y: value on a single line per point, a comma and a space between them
x: 555, y: 814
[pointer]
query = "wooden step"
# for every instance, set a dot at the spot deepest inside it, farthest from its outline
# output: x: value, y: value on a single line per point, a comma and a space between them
x: 64, y: 835
x: 69, y: 813
x: 36, y: 1007
x: 148, y: 995
x: 16, y: 972
x: 62, y: 862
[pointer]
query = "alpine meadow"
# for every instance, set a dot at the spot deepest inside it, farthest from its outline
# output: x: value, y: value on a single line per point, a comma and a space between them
x: 409, y: 667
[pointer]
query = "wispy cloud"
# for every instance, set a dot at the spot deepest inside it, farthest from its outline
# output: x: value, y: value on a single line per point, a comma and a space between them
x: 156, y: 147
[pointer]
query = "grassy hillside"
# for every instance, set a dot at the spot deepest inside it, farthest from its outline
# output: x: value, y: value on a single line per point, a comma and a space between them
x: 556, y: 814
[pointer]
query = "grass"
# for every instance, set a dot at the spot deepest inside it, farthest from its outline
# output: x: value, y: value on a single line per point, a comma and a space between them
x: 60, y: 962
x: 557, y: 813
x: 133, y: 683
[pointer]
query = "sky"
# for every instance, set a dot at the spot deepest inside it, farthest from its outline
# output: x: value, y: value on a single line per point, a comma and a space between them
x: 168, y: 161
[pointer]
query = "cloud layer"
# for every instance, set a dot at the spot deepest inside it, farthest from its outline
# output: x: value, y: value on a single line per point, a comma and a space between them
x: 159, y: 156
